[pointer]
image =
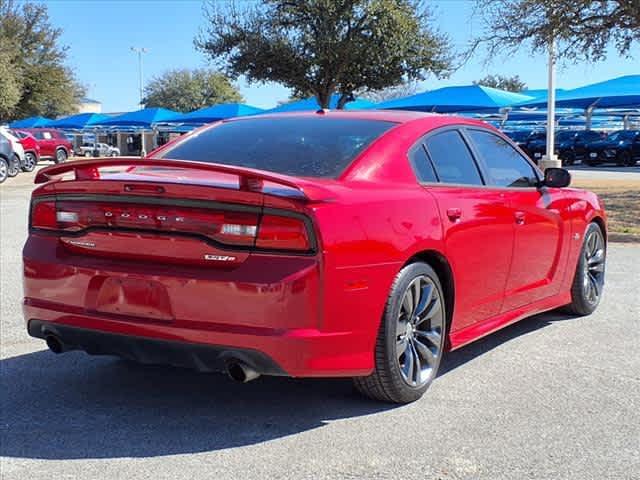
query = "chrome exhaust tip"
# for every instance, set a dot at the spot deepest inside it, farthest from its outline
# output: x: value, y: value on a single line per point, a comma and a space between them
x: 55, y: 344
x: 241, y: 372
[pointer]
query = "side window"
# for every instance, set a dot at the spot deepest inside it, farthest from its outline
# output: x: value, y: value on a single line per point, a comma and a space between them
x: 38, y: 135
x: 506, y: 167
x: 452, y: 159
x: 47, y: 135
x: 422, y: 164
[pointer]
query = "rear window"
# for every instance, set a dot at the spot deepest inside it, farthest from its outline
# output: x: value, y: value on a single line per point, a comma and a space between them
x: 299, y: 146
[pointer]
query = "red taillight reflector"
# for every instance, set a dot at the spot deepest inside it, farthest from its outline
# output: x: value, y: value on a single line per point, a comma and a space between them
x: 282, y: 233
x: 228, y: 227
x: 43, y: 215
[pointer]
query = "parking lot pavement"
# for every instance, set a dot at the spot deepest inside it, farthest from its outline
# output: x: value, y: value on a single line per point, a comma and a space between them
x: 552, y: 397
x: 605, y: 172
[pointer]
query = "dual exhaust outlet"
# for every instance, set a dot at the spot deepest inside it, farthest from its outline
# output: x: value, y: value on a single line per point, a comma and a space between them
x: 235, y: 369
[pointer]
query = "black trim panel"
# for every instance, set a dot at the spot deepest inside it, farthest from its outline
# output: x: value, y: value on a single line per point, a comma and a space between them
x: 201, y: 357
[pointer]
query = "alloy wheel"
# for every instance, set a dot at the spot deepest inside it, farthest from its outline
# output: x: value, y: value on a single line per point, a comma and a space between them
x: 594, y: 265
x: 29, y: 162
x: 61, y: 156
x: 4, y: 170
x: 419, y: 332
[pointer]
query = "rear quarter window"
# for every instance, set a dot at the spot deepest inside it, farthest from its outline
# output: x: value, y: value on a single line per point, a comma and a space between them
x: 299, y: 146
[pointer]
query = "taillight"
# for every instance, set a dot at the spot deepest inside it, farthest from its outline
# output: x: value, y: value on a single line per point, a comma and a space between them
x: 43, y: 215
x: 245, y: 229
x: 282, y: 233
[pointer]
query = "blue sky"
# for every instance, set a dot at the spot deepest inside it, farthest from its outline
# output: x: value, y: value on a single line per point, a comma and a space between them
x: 99, y: 34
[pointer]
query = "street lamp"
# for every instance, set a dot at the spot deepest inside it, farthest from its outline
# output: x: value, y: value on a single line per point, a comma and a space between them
x: 550, y: 159
x: 140, y: 51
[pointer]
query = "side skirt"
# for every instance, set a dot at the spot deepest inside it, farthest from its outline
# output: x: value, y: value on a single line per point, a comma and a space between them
x: 474, y: 332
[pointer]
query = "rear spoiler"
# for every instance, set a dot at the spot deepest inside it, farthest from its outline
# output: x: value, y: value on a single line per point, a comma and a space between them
x: 249, y: 179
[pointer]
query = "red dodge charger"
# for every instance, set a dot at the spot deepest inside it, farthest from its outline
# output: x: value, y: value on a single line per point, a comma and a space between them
x: 326, y: 244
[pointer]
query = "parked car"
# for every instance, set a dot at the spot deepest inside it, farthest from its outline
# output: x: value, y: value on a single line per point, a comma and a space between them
x: 621, y: 147
x: 53, y: 144
x: 519, y: 137
x: 17, y: 160
x: 6, y: 157
x: 354, y: 244
x: 31, y: 149
x: 571, y: 146
x: 104, y: 150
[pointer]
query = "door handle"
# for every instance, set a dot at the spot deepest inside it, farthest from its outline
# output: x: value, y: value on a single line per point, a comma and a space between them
x: 454, y: 214
x: 520, y: 217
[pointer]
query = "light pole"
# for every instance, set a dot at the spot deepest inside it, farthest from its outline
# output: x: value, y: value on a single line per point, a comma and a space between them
x: 140, y: 51
x: 550, y: 159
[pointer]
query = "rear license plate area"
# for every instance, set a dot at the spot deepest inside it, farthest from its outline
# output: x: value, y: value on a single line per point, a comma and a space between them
x: 133, y: 298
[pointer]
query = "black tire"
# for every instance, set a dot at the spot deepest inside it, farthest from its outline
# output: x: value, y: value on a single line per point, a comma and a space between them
x: 61, y: 155
x: 589, y: 275
x: 30, y: 162
x: 14, y: 166
x: 625, y: 159
x: 569, y: 159
x: 4, y: 170
x: 387, y: 383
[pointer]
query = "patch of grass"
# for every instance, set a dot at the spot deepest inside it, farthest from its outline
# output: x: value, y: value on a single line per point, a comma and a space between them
x: 622, y: 204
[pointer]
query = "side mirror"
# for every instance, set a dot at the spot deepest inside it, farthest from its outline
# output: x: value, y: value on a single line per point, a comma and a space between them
x: 556, y: 178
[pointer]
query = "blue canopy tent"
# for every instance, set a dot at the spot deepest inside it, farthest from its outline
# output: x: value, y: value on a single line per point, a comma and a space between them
x: 138, y: 122
x: 214, y: 113
x: 78, y: 122
x: 541, y: 92
x: 620, y: 92
x: 144, y: 118
x: 311, y: 103
x: 456, y: 99
x: 31, y: 122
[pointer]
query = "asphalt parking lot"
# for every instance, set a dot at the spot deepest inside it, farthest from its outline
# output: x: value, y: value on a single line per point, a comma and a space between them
x: 552, y: 397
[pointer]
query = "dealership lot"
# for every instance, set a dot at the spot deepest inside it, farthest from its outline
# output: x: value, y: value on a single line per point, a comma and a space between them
x: 549, y: 397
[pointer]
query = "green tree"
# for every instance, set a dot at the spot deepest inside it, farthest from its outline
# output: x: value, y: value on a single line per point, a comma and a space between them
x: 321, y: 47
x: 391, y: 93
x: 510, y: 84
x: 10, y: 85
x: 32, y: 50
x: 186, y: 90
x: 583, y: 29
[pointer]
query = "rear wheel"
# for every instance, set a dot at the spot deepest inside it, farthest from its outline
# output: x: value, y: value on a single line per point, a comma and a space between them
x: 14, y: 166
x: 588, y: 282
x: 626, y: 159
x: 61, y: 155
x: 410, y: 339
x: 4, y: 170
x: 30, y: 162
x: 569, y: 159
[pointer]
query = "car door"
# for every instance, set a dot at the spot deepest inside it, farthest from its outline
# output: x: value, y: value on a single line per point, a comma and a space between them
x: 477, y: 224
x: 47, y: 144
x: 541, y: 234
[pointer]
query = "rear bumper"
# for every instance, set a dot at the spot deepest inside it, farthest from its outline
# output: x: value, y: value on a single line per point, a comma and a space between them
x: 292, y: 352
x: 204, y: 358
x: 270, y: 305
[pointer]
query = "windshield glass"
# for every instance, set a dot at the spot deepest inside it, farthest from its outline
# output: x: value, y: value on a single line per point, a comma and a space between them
x: 622, y: 135
x: 302, y: 146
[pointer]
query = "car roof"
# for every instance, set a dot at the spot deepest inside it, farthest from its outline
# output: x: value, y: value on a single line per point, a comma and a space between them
x: 395, y: 116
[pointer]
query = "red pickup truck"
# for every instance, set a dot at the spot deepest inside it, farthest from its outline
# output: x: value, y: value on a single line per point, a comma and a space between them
x: 53, y: 144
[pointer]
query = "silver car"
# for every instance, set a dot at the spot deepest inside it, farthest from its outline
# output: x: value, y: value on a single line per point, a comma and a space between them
x: 104, y: 150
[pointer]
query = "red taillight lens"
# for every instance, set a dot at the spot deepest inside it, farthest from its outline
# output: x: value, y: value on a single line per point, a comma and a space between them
x: 43, y: 215
x: 272, y: 232
x: 282, y: 233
